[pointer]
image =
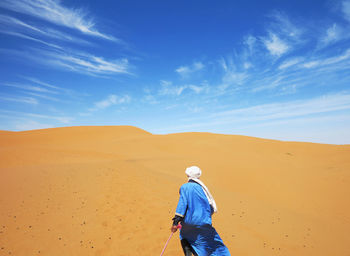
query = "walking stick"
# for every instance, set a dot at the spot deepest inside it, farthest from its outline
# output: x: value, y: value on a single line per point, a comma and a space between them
x: 166, y: 244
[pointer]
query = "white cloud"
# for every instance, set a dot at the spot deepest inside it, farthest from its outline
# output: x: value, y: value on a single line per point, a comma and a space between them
x: 288, y: 89
x: 30, y: 38
x: 268, y: 85
x: 326, y: 103
x: 231, y: 76
x: 53, y: 11
x: 49, y: 32
x: 110, y: 101
x: 275, y: 45
x: 283, y: 35
x: 167, y: 88
x: 27, y: 100
x: 198, y: 66
x: 16, y: 27
x: 333, y: 34
x: 91, y: 64
x: 247, y: 65
x: 311, y: 64
x: 13, y: 22
x: 31, y: 125
x: 333, y: 60
x: 346, y: 9
x: 223, y: 64
x: 197, y: 89
x: 250, y: 42
x: 284, y: 27
x: 37, y: 81
x: 328, y: 61
x: 303, y: 117
x: 62, y: 119
x: 151, y: 99
x: 74, y: 61
x: 149, y: 96
x: 289, y: 63
x: 183, y: 70
x: 43, y: 96
x: 186, y: 71
x: 165, y: 83
x: 29, y: 87
x: 80, y: 62
x: 37, y: 91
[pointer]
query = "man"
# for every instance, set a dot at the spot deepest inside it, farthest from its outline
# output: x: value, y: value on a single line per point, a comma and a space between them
x: 194, y: 210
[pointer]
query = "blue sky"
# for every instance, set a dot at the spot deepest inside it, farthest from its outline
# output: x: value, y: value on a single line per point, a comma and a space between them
x: 271, y: 69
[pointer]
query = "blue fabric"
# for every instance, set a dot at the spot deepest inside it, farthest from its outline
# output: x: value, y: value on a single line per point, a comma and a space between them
x: 197, y: 224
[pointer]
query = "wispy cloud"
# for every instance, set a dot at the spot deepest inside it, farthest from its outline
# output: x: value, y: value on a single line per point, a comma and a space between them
x: 86, y: 63
x: 333, y: 34
x: 167, y: 88
x: 74, y: 61
x: 233, y: 74
x: 9, y: 21
x: 61, y: 119
x: 43, y: 96
x: 275, y: 45
x: 273, y: 113
x: 27, y: 125
x: 37, y: 81
x: 16, y: 27
x: 326, y: 103
x: 281, y: 25
x: 35, y: 91
x: 198, y: 89
x: 54, y: 87
x: 271, y: 83
x: 290, y: 62
x: 311, y: 64
x: 26, y: 100
x: 346, y: 9
x: 328, y: 61
x: 110, y: 101
x: 29, y: 87
x: 57, y: 55
x: 282, y: 34
x: 31, y: 38
x: 186, y: 71
x: 53, y: 11
x: 250, y: 41
x: 149, y: 97
x: 251, y: 70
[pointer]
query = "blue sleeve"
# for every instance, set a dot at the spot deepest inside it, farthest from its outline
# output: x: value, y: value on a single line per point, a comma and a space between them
x: 182, y: 204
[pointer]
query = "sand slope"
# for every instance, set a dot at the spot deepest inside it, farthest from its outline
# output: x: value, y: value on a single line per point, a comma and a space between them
x: 113, y: 190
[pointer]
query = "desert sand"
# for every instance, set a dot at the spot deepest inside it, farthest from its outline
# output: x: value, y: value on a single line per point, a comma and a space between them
x: 113, y: 191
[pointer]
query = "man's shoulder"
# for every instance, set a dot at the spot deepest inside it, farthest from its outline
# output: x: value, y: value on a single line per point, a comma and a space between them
x: 189, y: 185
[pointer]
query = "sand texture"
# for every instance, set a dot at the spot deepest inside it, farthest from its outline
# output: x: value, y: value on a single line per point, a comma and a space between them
x: 113, y: 191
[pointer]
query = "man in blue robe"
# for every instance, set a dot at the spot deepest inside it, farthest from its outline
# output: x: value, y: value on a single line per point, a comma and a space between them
x: 194, y: 210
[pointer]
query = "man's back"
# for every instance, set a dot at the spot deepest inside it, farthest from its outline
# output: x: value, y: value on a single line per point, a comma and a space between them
x: 194, y: 205
x: 194, y: 210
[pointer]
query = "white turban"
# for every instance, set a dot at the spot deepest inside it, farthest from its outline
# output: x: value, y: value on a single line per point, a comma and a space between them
x: 194, y: 173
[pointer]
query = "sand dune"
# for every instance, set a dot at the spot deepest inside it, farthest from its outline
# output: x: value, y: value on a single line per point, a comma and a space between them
x: 113, y: 191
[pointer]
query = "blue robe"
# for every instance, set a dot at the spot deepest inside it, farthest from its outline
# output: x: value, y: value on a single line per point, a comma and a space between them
x: 197, y: 226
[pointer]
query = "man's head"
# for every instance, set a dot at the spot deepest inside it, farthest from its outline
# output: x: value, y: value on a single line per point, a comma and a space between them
x: 193, y: 172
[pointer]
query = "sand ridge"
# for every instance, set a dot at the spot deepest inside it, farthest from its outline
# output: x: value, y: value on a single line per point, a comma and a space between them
x: 113, y: 190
